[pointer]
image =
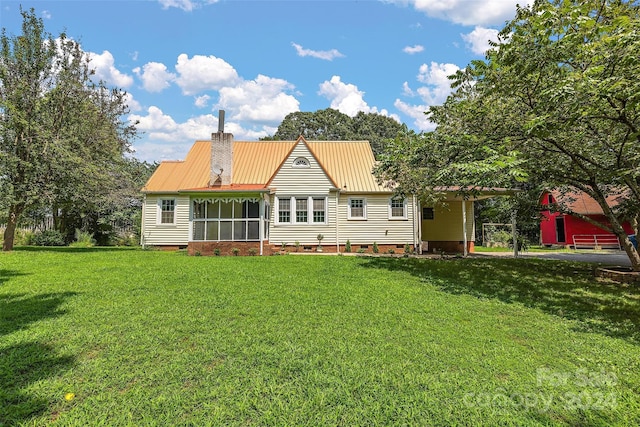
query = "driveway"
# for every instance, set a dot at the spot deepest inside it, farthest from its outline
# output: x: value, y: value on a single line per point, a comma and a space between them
x: 600, y: 257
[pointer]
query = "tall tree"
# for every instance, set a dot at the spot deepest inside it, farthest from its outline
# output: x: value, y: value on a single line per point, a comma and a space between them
x: 60, y: 133
x: 556, y: 101
x: 332, y: 125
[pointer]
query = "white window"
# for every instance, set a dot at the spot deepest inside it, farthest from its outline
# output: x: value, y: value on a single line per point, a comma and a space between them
x: 397, y: 208
x: 357, y: 209
x: 167, y: 211
x: 301, y: 162
x: 302, y: 210
x: 319, y: 210
x: 284, y: 210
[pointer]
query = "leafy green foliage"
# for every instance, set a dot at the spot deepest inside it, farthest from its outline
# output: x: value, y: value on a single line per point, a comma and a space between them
x: 48, y: 238
x: 555, y: 104
x: 62, y: 134
x: 332, y: 125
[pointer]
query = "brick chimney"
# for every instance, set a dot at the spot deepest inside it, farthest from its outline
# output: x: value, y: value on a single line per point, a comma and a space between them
x: 221, y: 155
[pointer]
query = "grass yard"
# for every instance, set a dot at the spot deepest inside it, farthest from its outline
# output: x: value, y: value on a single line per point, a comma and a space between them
x: 142, y: 338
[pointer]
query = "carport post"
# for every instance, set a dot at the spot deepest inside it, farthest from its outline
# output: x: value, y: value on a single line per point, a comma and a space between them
x: 514, y: 231
x: 464, y: 227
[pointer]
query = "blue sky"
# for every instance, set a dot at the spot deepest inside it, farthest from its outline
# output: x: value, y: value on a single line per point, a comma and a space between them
x: 181, y: 61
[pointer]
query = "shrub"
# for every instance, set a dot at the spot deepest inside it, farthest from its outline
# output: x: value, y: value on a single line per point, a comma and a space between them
x: 83, y: 240
x: 391, y: 251
x: 297, y: 244
x: 347, y: 246
x: 407, y: 248
x: 254, y: 251
x: 235, y: 251
x: 361, y: 250
x: 216, y: 251
x: 375, y: 248
x: 48, y: 238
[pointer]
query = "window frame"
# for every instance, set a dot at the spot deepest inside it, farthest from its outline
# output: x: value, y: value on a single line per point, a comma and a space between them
x: 161, y: 211
x: 404, y: 215
x: 350, y: 208
x: 294, y: 211
x: 428, y: 217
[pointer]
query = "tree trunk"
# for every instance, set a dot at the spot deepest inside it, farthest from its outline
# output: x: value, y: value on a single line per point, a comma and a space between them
x: 10, y: 232
x: 631, y: 251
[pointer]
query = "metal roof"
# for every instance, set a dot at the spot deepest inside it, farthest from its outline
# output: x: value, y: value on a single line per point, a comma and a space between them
x: 349, y: 165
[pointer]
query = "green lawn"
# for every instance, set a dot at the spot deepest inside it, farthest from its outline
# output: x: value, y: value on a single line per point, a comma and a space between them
x: 157, y: 338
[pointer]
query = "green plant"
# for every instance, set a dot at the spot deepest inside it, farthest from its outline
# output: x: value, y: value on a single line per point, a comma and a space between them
x: 197, y: 253
x: 48, y: 238
x: 375, y: 249
x: 252, y: 251
x: 235, y: 251
x: 216, y: 251
x: 347, y: 246
x: 391, y: 251
x: 408, y: 249
x: 362, y: 250
x: 297, y: 244
x: 283, y: 246
x: 83, y: 240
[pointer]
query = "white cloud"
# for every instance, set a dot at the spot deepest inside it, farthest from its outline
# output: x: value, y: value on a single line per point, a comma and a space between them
x: 327, y: 55
x: 202, y: 101
x: 46, y: 14
x: 417, y: 113
x: 154, y: 76
x: 413, y: 49
x: 478, y: 39
x: 465, y: 12
x: 167, y: 140
x: 106, y: 70
x: 202, y: 73
x: 131, y: 102
x: 263, y: 100
x: 346, y: 98
x: 434, y: 91
x: 437, y: 81
x: 186, y: 5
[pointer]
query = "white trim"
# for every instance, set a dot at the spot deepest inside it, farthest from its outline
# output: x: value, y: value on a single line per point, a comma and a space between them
x: 293, y: 210
x: 404, y: 216
x: 301, y: 162
x: 159, y: 211
x: 364, y: 209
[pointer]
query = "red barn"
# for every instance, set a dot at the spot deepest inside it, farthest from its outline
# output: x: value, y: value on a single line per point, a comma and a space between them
x: 561, y: 229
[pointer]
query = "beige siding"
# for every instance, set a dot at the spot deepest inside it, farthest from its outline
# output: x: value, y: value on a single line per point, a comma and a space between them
x: 377, y: 227
x: 292, y: 181
x: 154, y: 233
x: 304, y: 233
x: 447, y: 223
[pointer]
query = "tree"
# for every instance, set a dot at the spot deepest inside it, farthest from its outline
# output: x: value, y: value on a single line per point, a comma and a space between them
x: 556, y: 101
x: 332, y: 125
x: 60, y: 133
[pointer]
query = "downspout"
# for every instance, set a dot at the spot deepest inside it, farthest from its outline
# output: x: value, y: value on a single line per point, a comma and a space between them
x: 142, y: 230
x: 416, y: 237
x: 261, y: 227
x: 338, y: 220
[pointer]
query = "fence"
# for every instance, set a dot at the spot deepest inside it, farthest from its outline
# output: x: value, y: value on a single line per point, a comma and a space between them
x: 596, y: 241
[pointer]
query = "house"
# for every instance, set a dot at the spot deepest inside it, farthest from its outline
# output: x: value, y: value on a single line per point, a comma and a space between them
x: 557, y: 228
x: 259, y: 197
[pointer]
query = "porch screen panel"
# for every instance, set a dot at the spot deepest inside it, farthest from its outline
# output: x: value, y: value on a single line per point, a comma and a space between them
x: 226, y: 220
